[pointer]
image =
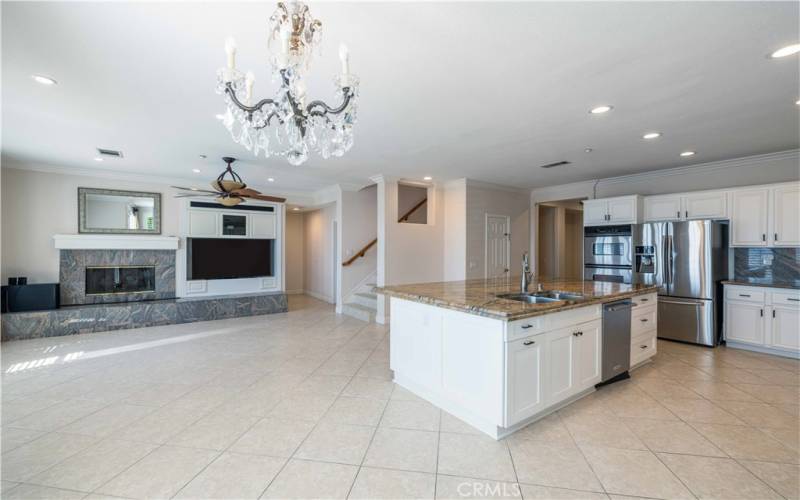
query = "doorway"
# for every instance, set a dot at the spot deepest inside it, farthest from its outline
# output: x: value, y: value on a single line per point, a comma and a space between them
x: 498, y: 245
x: 560, y: 239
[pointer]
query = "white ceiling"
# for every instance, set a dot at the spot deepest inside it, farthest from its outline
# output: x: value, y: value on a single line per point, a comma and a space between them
x: 487, y: 91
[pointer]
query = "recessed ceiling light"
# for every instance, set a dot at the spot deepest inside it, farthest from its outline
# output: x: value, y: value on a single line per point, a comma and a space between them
x: 601, y: 109
x: 98, y: 159
x: 797, y: 102
x: 44, y: 80
x: 687, y: 153
x: 651, y: 135
x: 270, y: 179
x: 786, y: 51
x: 588, y: 150
x: 196, y: 170
x: 427, y: 178
x: 296, y: 209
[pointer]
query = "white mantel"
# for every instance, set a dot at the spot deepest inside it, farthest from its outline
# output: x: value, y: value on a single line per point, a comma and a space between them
x: 115, y: 242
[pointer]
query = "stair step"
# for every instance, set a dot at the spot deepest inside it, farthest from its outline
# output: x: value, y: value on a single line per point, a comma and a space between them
x: 366, y: 299
x: 359, y: 312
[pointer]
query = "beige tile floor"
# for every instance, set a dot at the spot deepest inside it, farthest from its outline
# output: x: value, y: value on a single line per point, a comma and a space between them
x: 301, y: 405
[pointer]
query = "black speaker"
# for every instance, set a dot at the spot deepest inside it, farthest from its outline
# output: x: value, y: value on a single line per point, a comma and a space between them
x: 39, y: 297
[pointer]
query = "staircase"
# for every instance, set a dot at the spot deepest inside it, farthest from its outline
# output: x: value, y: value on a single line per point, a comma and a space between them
x: 363, y: 303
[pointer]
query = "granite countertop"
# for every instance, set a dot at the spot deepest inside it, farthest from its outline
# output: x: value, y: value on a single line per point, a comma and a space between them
x: 795, y: 285
x: 479, y: 296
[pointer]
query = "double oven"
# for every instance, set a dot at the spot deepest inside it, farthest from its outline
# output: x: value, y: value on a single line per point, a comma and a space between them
x: 608, y: 253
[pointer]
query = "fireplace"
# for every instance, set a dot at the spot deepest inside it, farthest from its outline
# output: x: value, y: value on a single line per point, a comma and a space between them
x: 105, y: 280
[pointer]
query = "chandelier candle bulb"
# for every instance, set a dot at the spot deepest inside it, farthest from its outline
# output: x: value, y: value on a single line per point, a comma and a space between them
x: 344, y: 55
x: 249, y: 80
x: 230, y: 51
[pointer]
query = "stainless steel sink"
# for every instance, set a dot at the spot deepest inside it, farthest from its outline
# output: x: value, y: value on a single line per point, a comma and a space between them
x: 543, y: 297
x: 527, y: 297
x: 558, y: 295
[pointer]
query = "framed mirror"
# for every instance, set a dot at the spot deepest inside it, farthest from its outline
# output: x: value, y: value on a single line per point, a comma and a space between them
x: 113, y: 211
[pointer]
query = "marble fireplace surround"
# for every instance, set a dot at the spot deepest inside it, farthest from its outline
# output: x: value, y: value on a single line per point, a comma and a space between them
x: 77, y: 252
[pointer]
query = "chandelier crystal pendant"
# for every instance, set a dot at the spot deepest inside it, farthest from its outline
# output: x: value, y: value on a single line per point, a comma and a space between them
x: 287, y: 125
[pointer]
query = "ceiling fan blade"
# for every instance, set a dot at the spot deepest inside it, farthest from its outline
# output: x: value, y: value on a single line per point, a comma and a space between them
x: 256, y: 195
x: 189, y: 195
x: 196, y: 190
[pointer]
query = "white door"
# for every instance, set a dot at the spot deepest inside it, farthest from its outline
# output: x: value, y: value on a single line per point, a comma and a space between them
x: 498, y: 239
x: 744, y: 323
x: 588, y: 355
x: 706, y: 206
x: 749, y: 217
x: 594, y: 212
x: 660, y: 208
x: 525, y: 384
x: 622, y: 210
x: 785, y: 331
x: 786, y: 216
x: 561, y: 363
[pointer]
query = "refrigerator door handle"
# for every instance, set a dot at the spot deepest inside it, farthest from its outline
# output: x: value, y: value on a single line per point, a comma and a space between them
x: 698, y: 303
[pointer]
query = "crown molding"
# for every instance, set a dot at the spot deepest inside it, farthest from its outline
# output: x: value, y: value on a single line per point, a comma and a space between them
x: 496, y: 187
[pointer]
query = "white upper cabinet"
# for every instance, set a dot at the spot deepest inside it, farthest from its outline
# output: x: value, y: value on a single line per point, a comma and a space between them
x: 661, y: 208
x: 706, y: 205
x: 203, y: 224
x: 610, y: 211
x: 786, y: 216
x: 702, y: 205
x: 262, y: 226
x: 749, y: 219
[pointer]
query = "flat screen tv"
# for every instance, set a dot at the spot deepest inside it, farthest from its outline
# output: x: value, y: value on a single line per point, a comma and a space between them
x: 228, y: 258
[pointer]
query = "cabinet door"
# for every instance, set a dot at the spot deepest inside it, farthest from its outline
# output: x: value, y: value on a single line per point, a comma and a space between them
x: 594, y: 212
x: 622, y: 210
x: 659, y: 208
x: 713, y: 205
x: 744, y: 323
x: 203, y: 224
x: 263, y: 226
x: 561, y: 364
x: 785, y: 331
x: 749, y: 217
x: 525, y: 384
x: 589, y: 353
x: 786, y: 216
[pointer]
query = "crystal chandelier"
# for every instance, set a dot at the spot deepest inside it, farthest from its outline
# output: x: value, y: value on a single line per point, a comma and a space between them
x: 286, y: 125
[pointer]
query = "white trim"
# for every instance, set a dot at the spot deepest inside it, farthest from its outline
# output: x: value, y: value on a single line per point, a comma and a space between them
x: 295, y: 292
x: 486, y: 243
x: 763, y: 349
x: 115, y: 242
x: 370, y: 278
x: 319, y: 296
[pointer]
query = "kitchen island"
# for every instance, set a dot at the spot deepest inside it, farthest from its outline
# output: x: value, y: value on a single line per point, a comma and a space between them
x: 500, y: 361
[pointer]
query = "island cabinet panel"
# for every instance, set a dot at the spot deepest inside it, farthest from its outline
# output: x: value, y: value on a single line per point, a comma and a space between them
x: 416, y: 349
x: 562, y: 364
x: 590, y: 351
x: 526, y: 377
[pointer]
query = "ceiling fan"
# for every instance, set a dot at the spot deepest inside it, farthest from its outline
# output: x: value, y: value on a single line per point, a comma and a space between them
x: 228, y: 192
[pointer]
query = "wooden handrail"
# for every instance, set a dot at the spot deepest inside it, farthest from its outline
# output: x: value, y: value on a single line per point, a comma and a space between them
x: 372, y: 243
x: 360, y: 253
x: 413, y: 209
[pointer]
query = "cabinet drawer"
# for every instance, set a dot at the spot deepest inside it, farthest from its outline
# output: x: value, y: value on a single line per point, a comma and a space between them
x: 786, y: 298
x: 645, y: 300
x: 742, y: 294
x: 643, y: 320
x: 642, y: 347
x: 525, y: 327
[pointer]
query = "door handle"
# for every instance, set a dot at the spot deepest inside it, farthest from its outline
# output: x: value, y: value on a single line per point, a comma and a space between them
x: 528, y: 342
x: 763, y: 237
x: 681, y: 302
x: 776, y: 236
x: 525, y: 327
x: 743, y: 295
x: 773, y: 313
x: 762, y: 313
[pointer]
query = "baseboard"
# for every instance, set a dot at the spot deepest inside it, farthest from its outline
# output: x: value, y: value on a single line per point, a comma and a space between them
x: 319, y: 296
x: 295, y: 292
x: 765, y: 350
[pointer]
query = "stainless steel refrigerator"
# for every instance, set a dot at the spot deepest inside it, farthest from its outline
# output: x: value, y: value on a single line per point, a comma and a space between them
x: 686, y: 260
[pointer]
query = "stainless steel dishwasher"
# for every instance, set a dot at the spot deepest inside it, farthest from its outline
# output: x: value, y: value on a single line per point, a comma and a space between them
x: 616, y: 341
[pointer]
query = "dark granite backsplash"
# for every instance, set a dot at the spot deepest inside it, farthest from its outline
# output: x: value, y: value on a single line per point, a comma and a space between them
x: 753, y: 264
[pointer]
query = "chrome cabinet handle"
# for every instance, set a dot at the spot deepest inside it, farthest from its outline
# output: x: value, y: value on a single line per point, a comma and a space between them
x: 776, y: 236
x: 762, y: 313
x: 743, y: 295
x: 642, y: 347
x: 643, y: 320
x: 792, y: 299
x: 645, y: 300
x: 687, y: 214
x: 679, y: 214
x: 763, y: 237
x: 577, y: 334
x: 525, y: 327
x: 528, y: 342
x: 773, y: 313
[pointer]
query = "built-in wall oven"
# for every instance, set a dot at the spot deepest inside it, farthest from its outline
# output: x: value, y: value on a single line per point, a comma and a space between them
x: 608, y: 253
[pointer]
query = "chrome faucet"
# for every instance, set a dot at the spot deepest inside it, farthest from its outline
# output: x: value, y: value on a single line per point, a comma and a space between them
x: 526, y: 273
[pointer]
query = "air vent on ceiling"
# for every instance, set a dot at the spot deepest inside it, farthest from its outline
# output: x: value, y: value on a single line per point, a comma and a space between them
x: 556, y: 164
x: 109, y: 152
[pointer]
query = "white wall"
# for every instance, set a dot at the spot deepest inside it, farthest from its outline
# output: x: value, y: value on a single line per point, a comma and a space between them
x: 483, y: 199
x: 318, y: 253
x: 295, y: 253
x: 37, y: 205
x: 359, y: 226
x: 455, y: 230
